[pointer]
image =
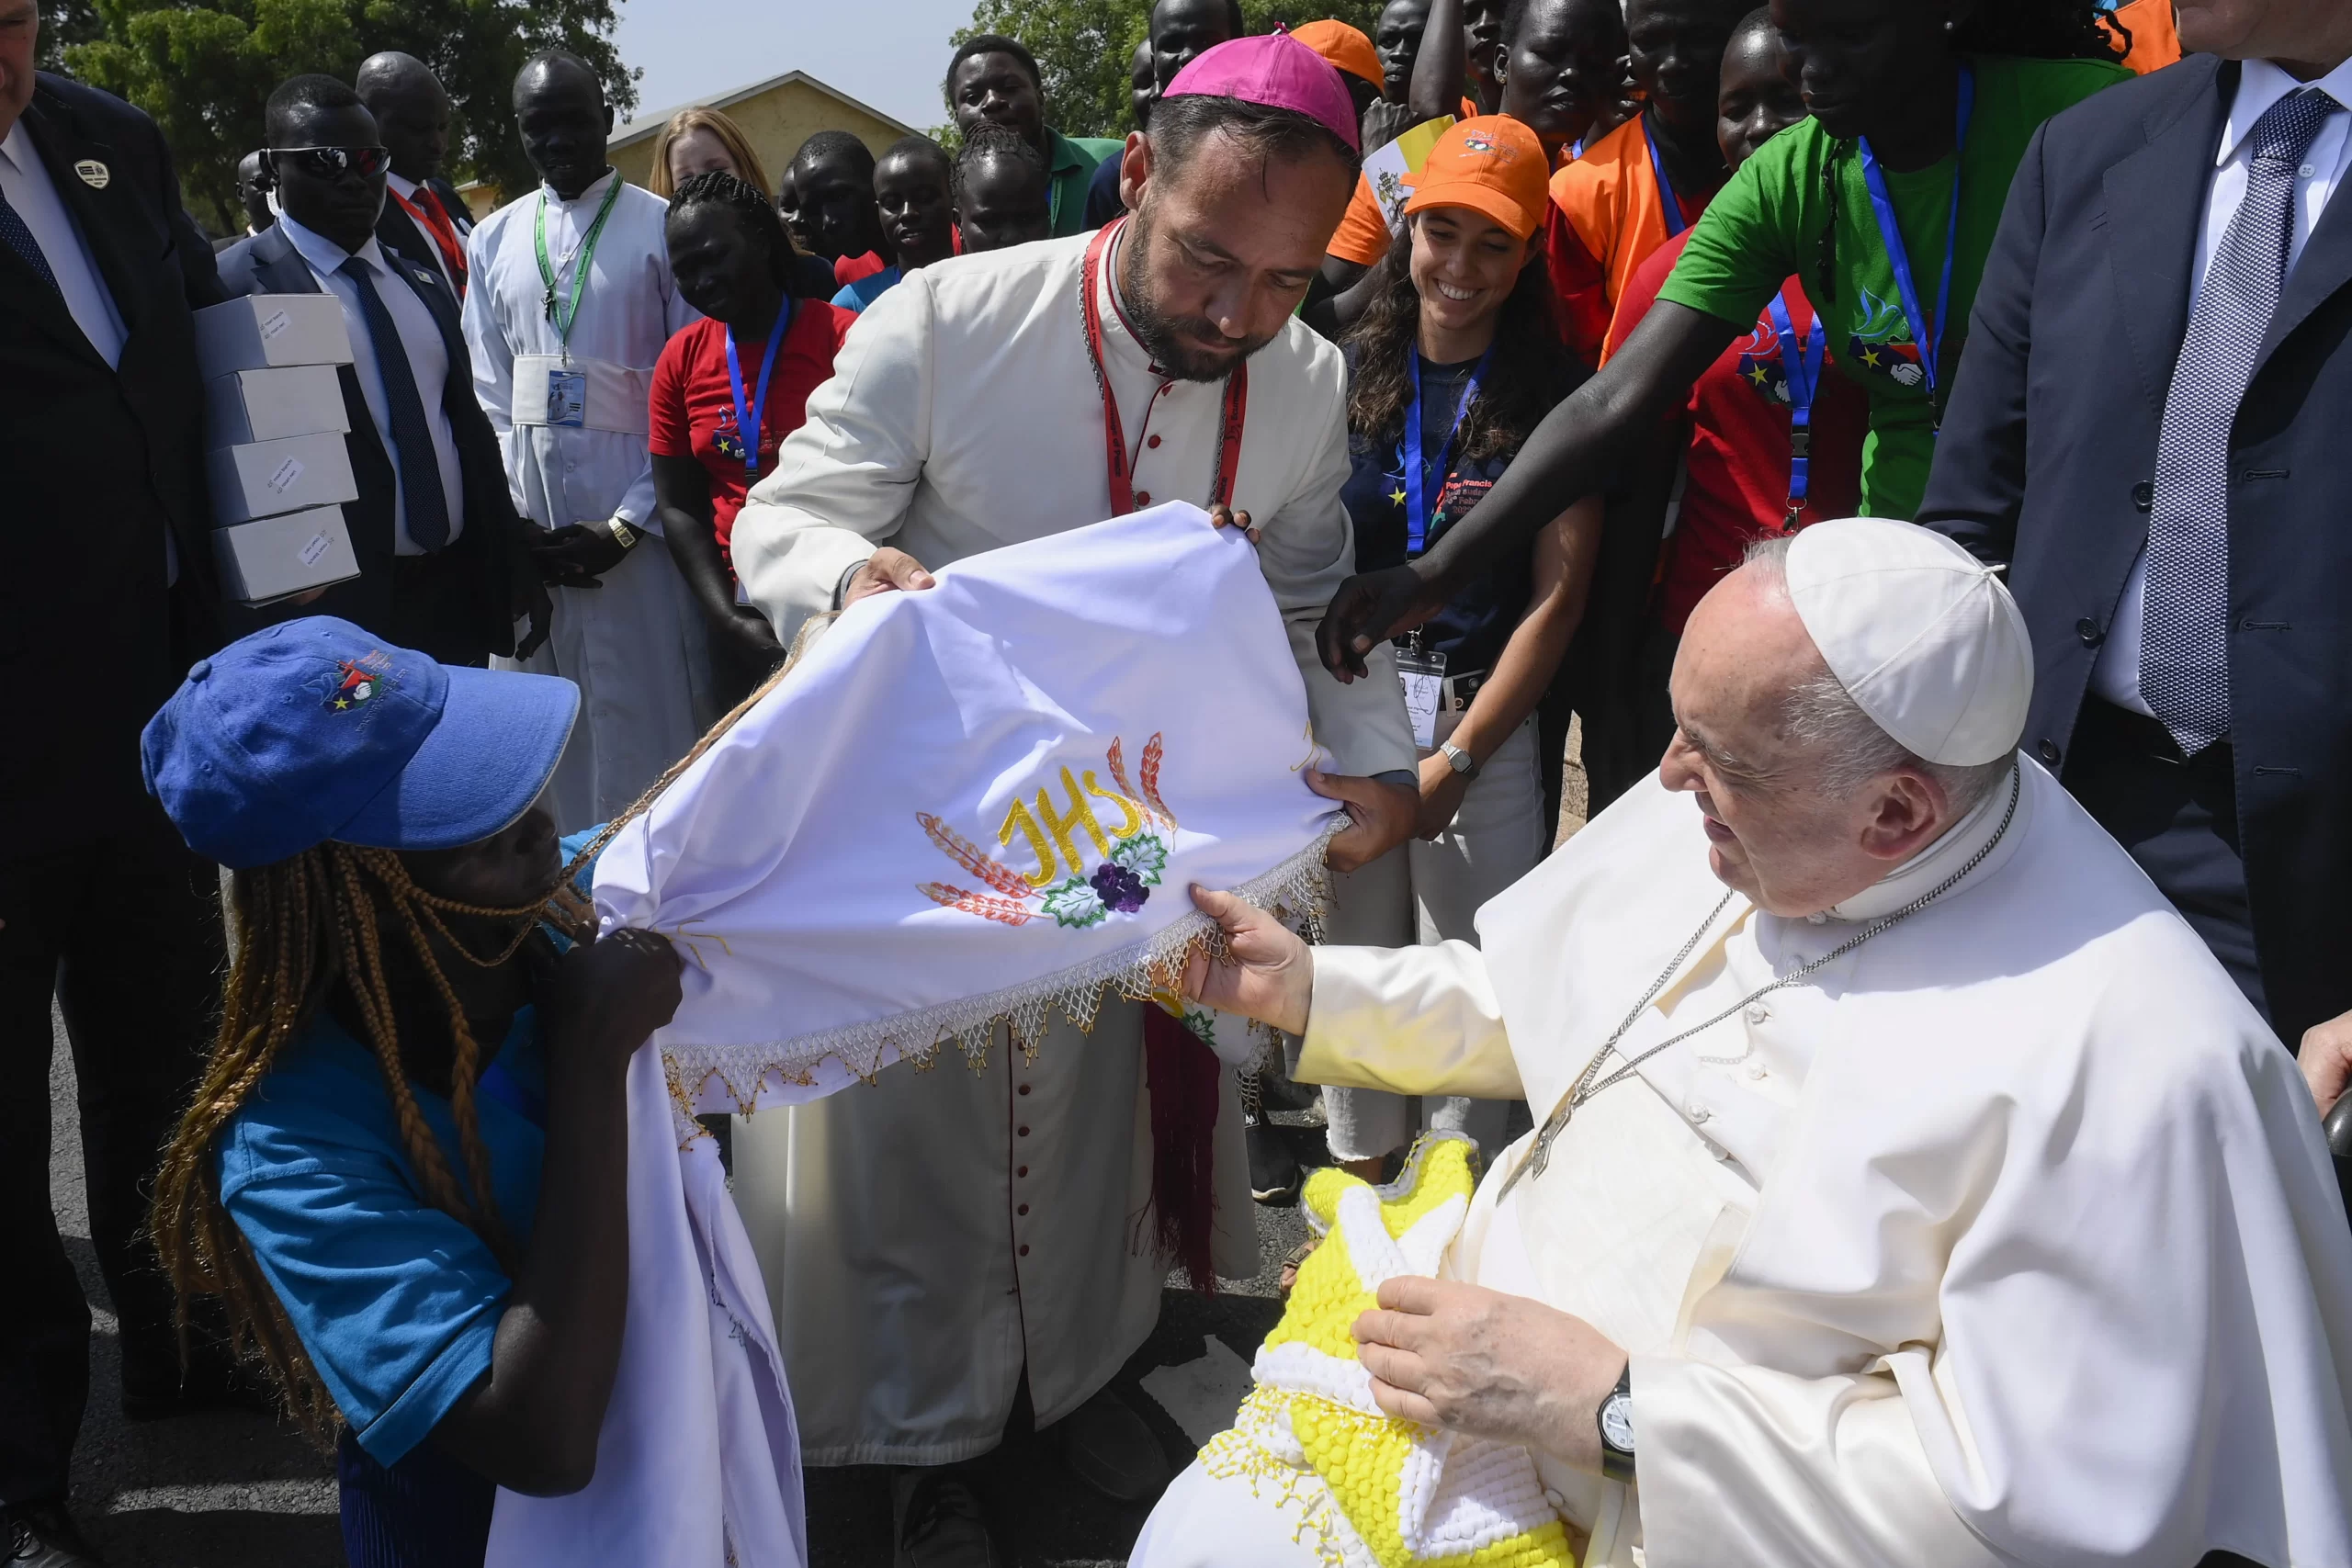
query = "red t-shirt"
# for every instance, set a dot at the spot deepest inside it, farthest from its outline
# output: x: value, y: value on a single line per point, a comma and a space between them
x: 1737, y: 490
x: 694, y: 403
x: 848, y: 269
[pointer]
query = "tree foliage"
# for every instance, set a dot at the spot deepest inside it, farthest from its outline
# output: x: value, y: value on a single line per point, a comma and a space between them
x: 204, y: 68
x: 1083, y: 46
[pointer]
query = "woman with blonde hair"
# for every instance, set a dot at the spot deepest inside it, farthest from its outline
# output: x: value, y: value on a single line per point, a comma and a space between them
x: 697, y: 141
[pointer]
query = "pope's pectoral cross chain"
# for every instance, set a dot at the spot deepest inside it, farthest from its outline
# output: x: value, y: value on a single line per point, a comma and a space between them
x: 1592, y: 1083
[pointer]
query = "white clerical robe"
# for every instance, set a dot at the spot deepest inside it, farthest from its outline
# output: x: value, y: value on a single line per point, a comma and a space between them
x: 2009, y: 1237
x: 926, y: 1244
x: 636, y: 644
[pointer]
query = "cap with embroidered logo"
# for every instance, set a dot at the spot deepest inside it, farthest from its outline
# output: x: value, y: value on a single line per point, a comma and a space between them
x: 314, y: 730
x: 1492, y: 164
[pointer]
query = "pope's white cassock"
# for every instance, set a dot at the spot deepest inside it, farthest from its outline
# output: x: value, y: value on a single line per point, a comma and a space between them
x: 635, y: 645
x: 925, y: 1242
x: 2007, y: 1238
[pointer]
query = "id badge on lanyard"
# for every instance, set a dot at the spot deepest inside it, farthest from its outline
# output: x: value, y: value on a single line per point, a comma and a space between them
x: 1422, y: 672
x: 568, y: 399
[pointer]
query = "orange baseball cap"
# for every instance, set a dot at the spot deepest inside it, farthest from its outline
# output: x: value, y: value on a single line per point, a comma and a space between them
x: 1492, y: 164
x: 1344, y: 47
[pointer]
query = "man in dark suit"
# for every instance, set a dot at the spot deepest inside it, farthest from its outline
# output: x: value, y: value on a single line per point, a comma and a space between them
x: 2151, y: 428
x: 423, y: 217
x: 445, y: 563
x: 107, y: 596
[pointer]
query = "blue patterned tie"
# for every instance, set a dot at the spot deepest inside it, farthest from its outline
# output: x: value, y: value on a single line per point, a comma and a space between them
x: 2185, y: 652
x: 427, y: 507
x: 18, y: 236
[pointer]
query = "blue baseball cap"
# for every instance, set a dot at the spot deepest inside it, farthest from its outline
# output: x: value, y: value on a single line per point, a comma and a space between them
x: 314, y: 730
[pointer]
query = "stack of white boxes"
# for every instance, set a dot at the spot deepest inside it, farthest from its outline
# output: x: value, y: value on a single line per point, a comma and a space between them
x: 274, y: 423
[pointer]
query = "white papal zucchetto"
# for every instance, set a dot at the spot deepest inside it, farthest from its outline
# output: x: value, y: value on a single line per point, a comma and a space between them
x: 1924, y: 636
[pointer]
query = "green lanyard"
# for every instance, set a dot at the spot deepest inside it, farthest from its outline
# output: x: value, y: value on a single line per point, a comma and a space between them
x: 561, y: 316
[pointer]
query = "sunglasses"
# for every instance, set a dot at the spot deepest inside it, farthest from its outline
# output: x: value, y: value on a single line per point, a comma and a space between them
x: 333, y: 162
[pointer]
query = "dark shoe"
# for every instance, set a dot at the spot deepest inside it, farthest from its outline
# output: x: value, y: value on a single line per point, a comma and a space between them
x: 935, y: 1522
x: 1113, y: 1450
x: 1273, y: 1169
x: 43, y: 1535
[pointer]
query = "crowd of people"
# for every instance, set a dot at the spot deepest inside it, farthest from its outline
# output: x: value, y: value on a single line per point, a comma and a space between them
x: 2018, y: 1245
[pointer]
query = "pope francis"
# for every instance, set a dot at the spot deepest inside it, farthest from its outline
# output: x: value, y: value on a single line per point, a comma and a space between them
x: 1912, y: 1188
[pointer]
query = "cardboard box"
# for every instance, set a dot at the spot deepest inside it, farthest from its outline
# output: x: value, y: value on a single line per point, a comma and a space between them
x: 276, y: 557
x: 262, y: 479
x: 268, y: 405
x: 265, y: 330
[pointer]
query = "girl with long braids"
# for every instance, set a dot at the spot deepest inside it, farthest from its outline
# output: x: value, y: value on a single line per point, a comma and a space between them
x: 404, y: 1172
x: 1453, y: 362
x: 1883, y: 202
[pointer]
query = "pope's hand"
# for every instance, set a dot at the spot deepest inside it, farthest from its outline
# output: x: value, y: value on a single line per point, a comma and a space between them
x: 1269, y: 975
x: 1470, y: 1359
x: 886, y: 570
x: 1380, y: 817
x: 2326, y: 1060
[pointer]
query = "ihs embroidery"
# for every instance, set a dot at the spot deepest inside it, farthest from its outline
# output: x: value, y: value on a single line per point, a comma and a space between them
x: 1131, y: 850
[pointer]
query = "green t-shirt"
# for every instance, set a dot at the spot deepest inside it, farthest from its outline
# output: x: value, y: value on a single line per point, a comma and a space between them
x: 1071, y: 161
x: 1768, y: 224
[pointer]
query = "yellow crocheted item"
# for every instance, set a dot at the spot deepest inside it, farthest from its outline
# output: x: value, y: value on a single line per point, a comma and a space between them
x: 1374, y: 1490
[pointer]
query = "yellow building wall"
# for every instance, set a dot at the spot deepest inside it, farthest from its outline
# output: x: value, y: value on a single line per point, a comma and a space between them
x: 777, y: 121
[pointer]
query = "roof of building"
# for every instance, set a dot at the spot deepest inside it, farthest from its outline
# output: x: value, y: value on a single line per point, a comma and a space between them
x: 646, y: 125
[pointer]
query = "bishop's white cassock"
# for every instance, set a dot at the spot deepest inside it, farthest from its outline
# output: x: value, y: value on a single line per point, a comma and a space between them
x: 2007, y: 1238
x: 635, y: 645
x: 925, y: 1243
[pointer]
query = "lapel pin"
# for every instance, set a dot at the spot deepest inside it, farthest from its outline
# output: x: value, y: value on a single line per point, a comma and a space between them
x: 94, y: 174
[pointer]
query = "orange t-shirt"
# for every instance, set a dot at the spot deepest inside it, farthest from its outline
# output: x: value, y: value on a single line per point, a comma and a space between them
x: 1363, y: 236
x: 2155, y: 35
x: 1610, y: 218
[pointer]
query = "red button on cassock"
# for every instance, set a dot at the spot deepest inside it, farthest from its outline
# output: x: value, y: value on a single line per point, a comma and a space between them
x: 1153, y: 441
x: 1143, y: 498
x: 1025, y: 1131
x: 1023, y: 1210
x: 1025, y: 1249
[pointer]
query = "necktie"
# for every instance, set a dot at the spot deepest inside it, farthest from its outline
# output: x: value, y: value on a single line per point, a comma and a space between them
x: 18, y: 236
x: 421, y: 495
x: 2184, y: 653
x: 427, y: 209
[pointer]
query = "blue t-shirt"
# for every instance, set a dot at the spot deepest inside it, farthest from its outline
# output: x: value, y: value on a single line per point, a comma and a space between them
x: 396, y: 1302
x: 856, y: 297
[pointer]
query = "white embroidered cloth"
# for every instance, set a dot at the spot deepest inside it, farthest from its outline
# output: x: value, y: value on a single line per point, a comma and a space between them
x: 965, y: 805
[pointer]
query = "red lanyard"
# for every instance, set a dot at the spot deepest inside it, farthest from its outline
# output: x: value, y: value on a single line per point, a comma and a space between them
x: 1115, y: 434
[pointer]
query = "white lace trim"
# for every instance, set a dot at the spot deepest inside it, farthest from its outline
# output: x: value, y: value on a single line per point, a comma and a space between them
x: 1298, y: 889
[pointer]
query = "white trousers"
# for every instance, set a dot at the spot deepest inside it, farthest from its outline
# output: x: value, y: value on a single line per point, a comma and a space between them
x: 636, y: 648
x: 1430, y: 892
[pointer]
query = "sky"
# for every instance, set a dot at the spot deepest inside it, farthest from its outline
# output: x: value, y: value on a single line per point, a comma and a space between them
x: 888, y: 53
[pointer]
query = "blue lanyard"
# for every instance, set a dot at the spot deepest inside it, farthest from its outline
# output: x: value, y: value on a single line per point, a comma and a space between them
x: 1417, y: 510
x: 1803, y: 365
x: 747, y: 419
x: 1931, y: 342
x: 1673, y: 225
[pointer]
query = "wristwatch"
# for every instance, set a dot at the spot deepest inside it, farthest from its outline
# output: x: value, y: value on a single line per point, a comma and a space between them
x: 1461, y: 761
x: 1617, y: 1429
x: 622, y: 534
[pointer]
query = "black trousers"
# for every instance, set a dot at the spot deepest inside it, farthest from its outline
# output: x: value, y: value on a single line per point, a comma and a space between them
x: 2179, y: 818
x: 126, y: 934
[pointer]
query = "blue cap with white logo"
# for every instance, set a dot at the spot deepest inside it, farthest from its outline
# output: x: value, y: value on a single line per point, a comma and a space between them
x: 314, y: 730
